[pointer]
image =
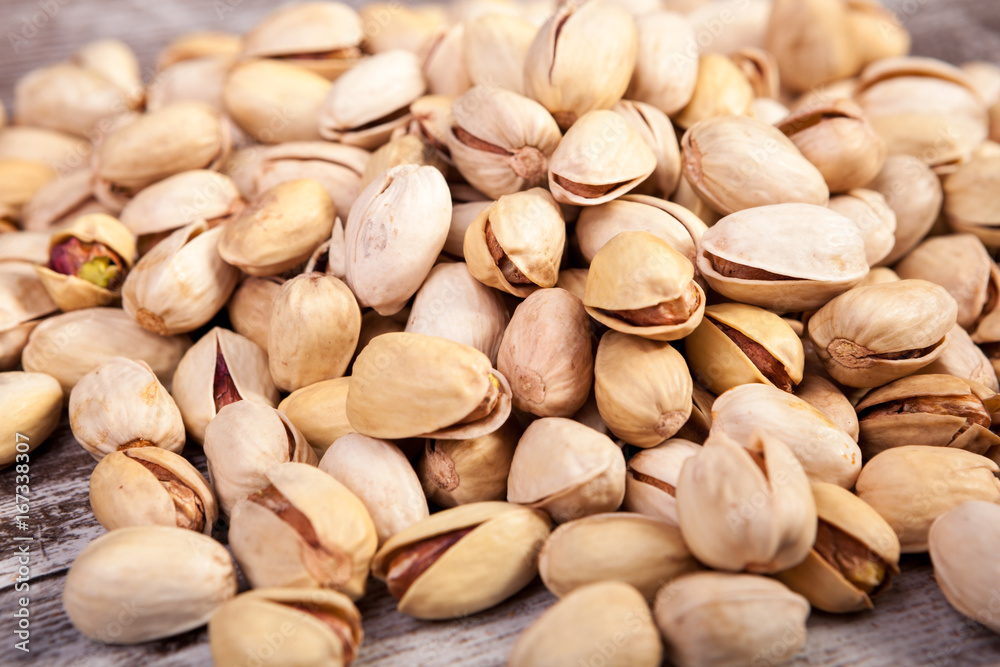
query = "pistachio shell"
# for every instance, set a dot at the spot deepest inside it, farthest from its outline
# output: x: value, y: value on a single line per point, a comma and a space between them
x: 69, y: 98
x: 275, y: 101
x: 812, y: 42
x: 198, y: 44
x: 823, y: 395
x: 32, y: 403
x: 666, y: 69
x: 964, y: 359
x: 319, y: 411
x: 874, y: 217
x: 180, y: 200
x: 495, y: 47
x: 62, y: 152
x: 61, y: 200
x: 721, y: 89
x: 458, y: 472
x: 443, y: 56
x: 651, y: 479
x: 967, y: 206
x: 656, y: 130
x: 913, y: 191
x: 20, y: 180
x: 249, y: 308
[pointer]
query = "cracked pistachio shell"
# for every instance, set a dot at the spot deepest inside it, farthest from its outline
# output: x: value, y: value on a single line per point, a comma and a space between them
x: 590, y: 550
x: 643, y: 388
x: 639, y: 284
x: 367, y: 103
x: 666, y: 69
x: 275, y: 101
x: 872, y: 335
x: 70, y: 345
x: 656, y: 130
x: 812, y: 42
x: 452, y: 304
x: 243, y: 442
x: 180, y: 200
x: 149, y: 486
x: 495, y: 556
x: 67, y: 97
x: 110, y: 582
x: 495, y: 47
x: 721, y: 89
x: 405, y: 149
x: 458, y: 472
x: 530, y: 235
x: 717, y: 618
x: 60, y: 201
x: 546, y: 354
x: 324, y: 37
x: 968, y: 535
x: 72, y: 292
x: 567, y: 469
x: 824, y: 395
x: 120, y: 404
x: 379, y: 474
x: 739, y: 344
x: 923, y: 107
x: 826, y: 451
x: 722, y: 160
x: 20, y: 180
x: 913, y: 191
x: 319, y: 411
x: 874, y: 217
x: 181, y: 283
x: 750, y: 255
x: 651, y: 479
x: 607, y: 613
x: 279, y: 229
x: 913, y: 485
x: 60, y: 151
x: 198, y: 44
x: 853, y: 535
x: 32, y: 405
x: 315, y: 324
x: 601, y: 158
x: 673, y: 223
x: 395, y: 231
x: 963, y: 359
x: 326, y: 626
x: 286, y: 535
x: 934, y: 410
x: 968, y: 206
x: 249, y: 307
x: 746, y: 508
x: 221, y: 368
x: 500, y: 141
x: 443, y: 61
x: 581, y: 59
x: 408, y: 385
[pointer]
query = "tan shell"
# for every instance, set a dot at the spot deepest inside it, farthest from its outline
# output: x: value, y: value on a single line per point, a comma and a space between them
x: 968, y: 206
x: 19, y: 181
x: 666, y: 69
x: 462, y: 217
x: 180, y: 200
x: 443, y: 61
x: 458, y: 472
x: 651, y: 479
x: 812, y: 42
x: 69, y: 98
x: 963, y: 359
x: 656, y: 130
x: 761, y: 70
x: 275, y: 101
x: 32, y: 404
x: 62, y: 152
x: 405, y: 149
x: 116, y: 61
x: 397, y: 375
x: 198, y: 44
x: 876, y: 31
x: 874, y: 217
x: 913, y: 485
x: 110, y: 596
x: 495, y: 47
x: 405, y: 27
x: 249, y: 308
x: 483, y: 568
x: 913, y: 191
x: 198, y: 79
x: 824, y: 395
x: 721, y: 89
x: 567, y: 469
x: 319, y: 411
x: 61, y: 200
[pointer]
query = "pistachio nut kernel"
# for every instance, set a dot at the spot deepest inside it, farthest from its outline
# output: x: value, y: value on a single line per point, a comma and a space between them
x: 32, y: 405
x: 149, y: 486
x: 326, y: 624
x: 651, y: 479
x: 462, y: 560
x: 319, y: 411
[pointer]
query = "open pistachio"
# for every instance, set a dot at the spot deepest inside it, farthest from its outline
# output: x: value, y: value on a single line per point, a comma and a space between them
x: 737, y: 344
x: 667, y: 65
x: 656, y: 130
x: 716, y: 618
x: 398, y: 375
x: 181, y: 200
x: 874, y: 217
x: 576, y: 629
x: 495, y: 47
x: 721, y: 89
x: 319, y: 411
x: 32, y: 404
x: 326, y: 626
x: 195, y: 575
x: 149, y: 486
x: 651, y: 479
x: 913, y: 191
x: 378, y: 473
x: 967, y: 206
x: 458, y: 472
x: 812, y: 42
x: 567, y: 469
x: 462, y: 560
x: 249, y: 308
x: 275, y: 101
x: 824, y: 395
x: 285, y: 535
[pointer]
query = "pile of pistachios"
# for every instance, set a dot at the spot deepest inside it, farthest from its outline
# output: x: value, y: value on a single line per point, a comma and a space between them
x: 687, y: 307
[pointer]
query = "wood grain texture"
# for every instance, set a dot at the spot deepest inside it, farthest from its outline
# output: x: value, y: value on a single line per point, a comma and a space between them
x: 911, y: 625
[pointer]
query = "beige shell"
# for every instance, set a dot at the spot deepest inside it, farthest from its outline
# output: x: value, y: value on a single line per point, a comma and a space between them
x: 812, y: 42
x: 69, y: 98
x: 62, y: 152
x: 656, y: 130
x: 180, y: 200
x: 198, y: 44
x: 666, y: 69
x: 249, y: 307
x: 443, y: 61
x: 484, y: 567
x: 221, y: 367
x: 149, y: 486
x: 913, y: 485
x: 398, y: 375
x: 963, y: 359
x: 721, y: 89
x: 21, y: 179
x: 967, y: 204
x: 319, y: 411
x: 530, y: 232
x: 876, y: 31
x: 116, y: 61
x: 458, y: 472
x: 874, y: 217
x: 199, y: 79
x: 405, y: 149
x: 824, y: 395
x: 913, y: 191
x: 567, y: 469
x: 60, y: 201
x: 110, y: 596
x: 651, y: 479
x: 495, y: 47
x: 32, y: 404
x: 402, y: 27
x: 275, y: 101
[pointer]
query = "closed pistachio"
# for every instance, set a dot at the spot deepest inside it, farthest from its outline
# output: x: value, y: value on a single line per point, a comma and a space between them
x: 964, y: 359
x: 405, y: 149
x: 716, y: 618
x: 181, y: 200
x: 60, y: 201
x: 666, y: 69
x: 443, y: 61
x: 721, y: 89
x: 737, y: 344
x: 275, y: 101
x: 638, y: 284
x: 567, y: 469
x: 462, y: 560
x: 812, y: 42
x: 546, y: 354
x: 643, y: 388
x: 582, y: 624
x: 656, y: 130
x: 495, y: 47
x: 221, y: 368
x: 326, y: 626
x: 398, y: 375
x: 61, y: 152
x: 651, y: 479
x: 379, y: 474
x: 285, y: 534
x: 913, y: 191
x: 279, y: 229
x: 149, y: 486
x: 458, y: 472
x: 194, y: 576
x: 913, y: 485
x: 874, y: 217
x: 601, y: 158
x: 824, y: 395
x: 249, y: 307
x: 120, y: 405
x: 32, y: 404
x: 68, y: 97
x: 967, y: 204
x: 319, y: 411
x: 19, y: 181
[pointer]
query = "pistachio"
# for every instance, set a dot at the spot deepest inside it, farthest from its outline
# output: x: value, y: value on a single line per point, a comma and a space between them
x: 20, y: 180
x: 149, y: 486
x: 875, y: 31
x: 198, y: 44
x: 462, y: 560
x: 458, y: 472
x: 651, y: 479
x: 656, y: 130
x: 874, y: 217
x: 913, y: 191
x: 405, y: 149
x: 60, y: 201
x: 812, y: 42
x: 495, y: 47
x: 200, y: 79
x: 964, y: 359
x: 68, y: 97
x: 32, y: 403
x: 61, y: 152
x: 180, y: 200
x: 666, y: 68
x: 319, y: 411
x: 249, y: 308
x: 967, y: 207
x: 769, y: 110
x: 824, y: 395
x: 721, y: 89
x: 400, y: 27
x: 444, y: 59
x: 760, y: 69
x: 275, y: 101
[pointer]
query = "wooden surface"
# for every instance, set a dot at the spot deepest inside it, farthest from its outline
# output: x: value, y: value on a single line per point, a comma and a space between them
x: 911, y: 625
